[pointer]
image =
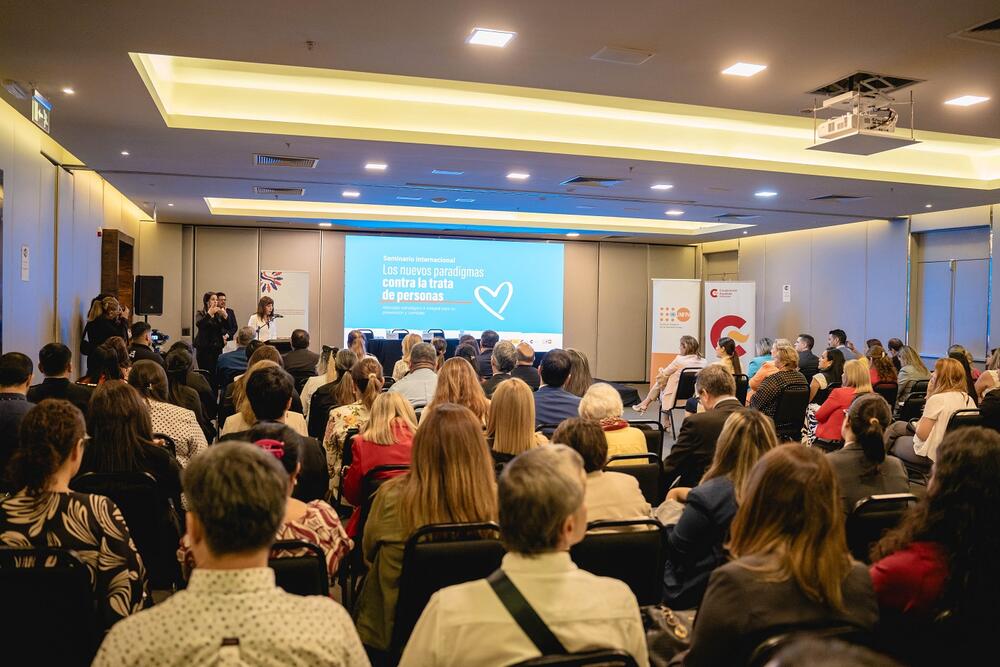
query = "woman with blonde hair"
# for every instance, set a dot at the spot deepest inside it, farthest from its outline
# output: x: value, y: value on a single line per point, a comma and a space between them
x: 665, y: 384
x: 791, y: 566
x: 830, y: 416
x: 947, y: 393
x: 458, y: 383
x: 510, y: 427
x: 244, y: 416
x: 387, y: 439
x: 365, y: 380
x: 580, y: 378
x: 695, y: 543
x: 990, y: 379
x: 106, y: 318
x: 603, y: 404
x: 786, y: 361
x: 911, y: 371
x: 402, y: 367
x: 451, y: 480
x: 356, y: 343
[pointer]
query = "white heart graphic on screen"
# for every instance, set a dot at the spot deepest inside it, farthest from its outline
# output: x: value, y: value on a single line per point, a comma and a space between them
x: 493, y: 293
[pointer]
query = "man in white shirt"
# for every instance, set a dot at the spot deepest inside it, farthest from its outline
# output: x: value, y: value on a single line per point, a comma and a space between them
x: 419, y: 385
x: 232, y: 612
x: 542, y: 514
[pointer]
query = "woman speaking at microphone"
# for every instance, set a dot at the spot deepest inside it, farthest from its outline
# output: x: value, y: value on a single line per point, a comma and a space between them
x: 262, y: 322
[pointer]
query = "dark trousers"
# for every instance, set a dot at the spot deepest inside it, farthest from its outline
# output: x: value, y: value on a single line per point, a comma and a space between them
x: 207, y: 359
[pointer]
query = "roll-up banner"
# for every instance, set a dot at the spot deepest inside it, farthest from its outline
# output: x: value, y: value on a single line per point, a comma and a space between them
x: 676, y: 313
x: 730, y: 309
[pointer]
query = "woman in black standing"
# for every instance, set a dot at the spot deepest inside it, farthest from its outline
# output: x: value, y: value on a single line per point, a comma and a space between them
x: 211, y: 323
x: 107, y: 318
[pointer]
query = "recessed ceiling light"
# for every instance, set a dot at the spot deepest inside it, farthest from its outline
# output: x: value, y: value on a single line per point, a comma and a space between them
x: 446, y: 172
x: 518, y: 176
x: 745, y: 231
x: 402, y: 198
x: 125, y: 153
x: 966, y: 100
x: 170, y: 204
x: 326, y: 224
x: 584, y: 206
x: 465, y: 200
x: 376, y: 166
x: 350, y: 193
x: 744, y: 69
x: 675, y: 211
x: 765, y: 193
x: 69, y: 91
x: 572, y: 234
x: 490, y: 37
x: 928, y: 205
x: 661, y: 186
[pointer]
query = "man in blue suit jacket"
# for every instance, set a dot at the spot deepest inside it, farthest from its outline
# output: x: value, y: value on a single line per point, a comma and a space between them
x: 553, y: 403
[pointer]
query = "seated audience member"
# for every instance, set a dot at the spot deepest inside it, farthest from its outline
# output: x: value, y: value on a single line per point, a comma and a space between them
x: 326, y: 374
x: 231, y: 364
x: 787, y: 375
x: 580, y: 378
x: 451, y: 480
x: 181, y: 373
x: 947, y: 393
x: 468, y: 352
x: 542, y: 514
x: 830, y: 415
x: 245, y: 417
x: 258, y: 351
x: 970, y: 378
x: 831, y: 372
x: 988, y: 380
x: 941, y: 557
x: 956, y: 351
x: 525, y: 369
x: 765, y: 347
x: 55, y: 361
x: 122, y: 440
x: 118, y: 345
x: 44, y: 512
x: 268, y: 394
x: 728, y: 359
x: 603, y: 404
x: 667, y: 378
x: 16, y: 371
x: 141, y: 344
x: 441, y: 347
x: 402, y: 367
x: 880, y: 366
x: 333, y: 394
x: 231, y: 610
x: 487, y: 341
x: 808, y: 362
x: 179, y: 393
x: 357, y: 343
x: 553, y: 403
x: 610, y: 496
x: 893, y: 346
x: 502, y: 361
x: 387, y: 439
x: 366, y: 384
x: 791, y: 568
x: 420, y: 383
x: 510, y: 427
x: 837, y: 338
x: 469, y: 339
x: 177, y: 423
x: 459, y: 384
x: 102, y: 365
x: 872, y: 342
x: 694, y: 450
x: 301, y: 360
x: 696, y: 544
x: 911, y: 372
x: 861, y: 467
x: 769, y: 367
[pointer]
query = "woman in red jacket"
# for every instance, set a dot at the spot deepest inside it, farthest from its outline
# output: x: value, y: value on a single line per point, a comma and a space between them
x: 387, y: 439
x: 830, y: 416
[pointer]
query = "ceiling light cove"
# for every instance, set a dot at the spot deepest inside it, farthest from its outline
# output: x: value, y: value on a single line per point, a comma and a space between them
x: 967, y: 100
x: 376, y: 166
x: 744, y: 69
x: 350, y: 194
x: 518, y: 176
x: 572, y: 235
x: 437, y: 217
x: 284, y: 100
x: 490, y: 37
x: 326, y: 224
x: 661, y: 186
x: 765, y: 194
x: 674, y: 211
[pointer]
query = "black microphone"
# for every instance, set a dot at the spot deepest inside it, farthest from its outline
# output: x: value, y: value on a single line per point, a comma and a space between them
x: 275, y: 316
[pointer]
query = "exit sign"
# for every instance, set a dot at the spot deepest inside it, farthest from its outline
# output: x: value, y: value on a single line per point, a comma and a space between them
x: 41, y: 111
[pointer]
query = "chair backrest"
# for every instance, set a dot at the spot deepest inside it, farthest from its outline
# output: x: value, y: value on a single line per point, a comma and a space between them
x: 301, y: 377
x: 438, y: 556
x: 152, y: 521
x: 888, y: 391
x: 299, y: 567
x: 653, y: 430
x: 742, y: 387
x: 685, y: 385
x: 648, y: 471
x: 319, y: 413
x: 962, y: 418
x: 790, y: 413
x: 604, y: 658
x: 547, y: 429
x: 387, y: 382
x: 631, y: 551
x: 770, y: 647
x: 912, y: 407
x: 168, y: 443
x: 204, y: 373
x: 370, y: 485
x: 920, y: 386
x: 49, y: 611
x: 872, y: 517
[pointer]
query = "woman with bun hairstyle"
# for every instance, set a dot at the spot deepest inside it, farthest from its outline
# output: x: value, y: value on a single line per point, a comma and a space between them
x: 862, y: 466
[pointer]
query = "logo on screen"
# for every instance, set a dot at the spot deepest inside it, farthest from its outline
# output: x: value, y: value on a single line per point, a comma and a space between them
x: 493, y: 306
x: 729, y: 326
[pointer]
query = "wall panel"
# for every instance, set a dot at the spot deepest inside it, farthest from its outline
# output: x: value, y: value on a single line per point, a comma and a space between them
x: 580, y: 286
x: 332, y: 289
x: 621, y: 317
x: 295, y: 250
x: 225, y: 258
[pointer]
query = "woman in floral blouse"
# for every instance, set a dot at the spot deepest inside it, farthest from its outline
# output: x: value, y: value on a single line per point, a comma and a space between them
x: 366, y: 378
x: 45, y: 513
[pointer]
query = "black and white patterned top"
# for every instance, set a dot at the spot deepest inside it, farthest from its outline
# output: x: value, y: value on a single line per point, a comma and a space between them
x: 182, y: 427
x: 235, y: 617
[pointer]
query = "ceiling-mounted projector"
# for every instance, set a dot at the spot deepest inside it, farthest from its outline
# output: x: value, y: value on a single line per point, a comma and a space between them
x: 865, y: 124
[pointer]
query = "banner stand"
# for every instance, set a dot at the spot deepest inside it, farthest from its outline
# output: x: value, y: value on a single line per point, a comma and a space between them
x: 730, y: 311
x: 676, y: 312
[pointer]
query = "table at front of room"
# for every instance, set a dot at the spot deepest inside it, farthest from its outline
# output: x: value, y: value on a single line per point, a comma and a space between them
x: 390, y: 350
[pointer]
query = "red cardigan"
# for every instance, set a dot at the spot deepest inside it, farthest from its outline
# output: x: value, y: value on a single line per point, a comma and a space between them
x: 911, y: 582
x: 368, y: 455
x: 830, y: 416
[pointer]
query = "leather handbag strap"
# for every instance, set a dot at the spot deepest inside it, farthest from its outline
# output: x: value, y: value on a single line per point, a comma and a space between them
x: 529, y: 620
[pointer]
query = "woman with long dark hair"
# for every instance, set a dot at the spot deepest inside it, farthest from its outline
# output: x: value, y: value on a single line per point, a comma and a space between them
x: 178, y: 423
x: 726, y: 351
x: 335, y: 392
x: 262, y: 322
x: 181, y: 392
x: 102, y: 366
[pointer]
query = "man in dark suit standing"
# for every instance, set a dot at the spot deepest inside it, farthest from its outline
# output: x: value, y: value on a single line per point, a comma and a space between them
x: 230, y: 326
x: 808, y: 362
x: 691, y: 455
x: 55, y: 361
x: 301, y: 360
x: 487, y: 342
x: 16, y: 370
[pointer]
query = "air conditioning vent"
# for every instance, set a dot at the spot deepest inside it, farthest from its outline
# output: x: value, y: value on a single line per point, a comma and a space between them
x: 593, y: 181
x: 866, y: 82
x: 283, y: 192
x: 838, y: 198
x: 264, y: 160
x: 622, y: 55
x: 988, y: 33
x: 736, y: 216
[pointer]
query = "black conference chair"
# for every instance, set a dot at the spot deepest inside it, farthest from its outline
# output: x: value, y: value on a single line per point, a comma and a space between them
x: 872, y: 517
x: 438, y: 556
x: 790, y: 415
x: 299, y: 567
x: 912, y: 407
x: 685, y: 390
x: 602, y: 658
x: 631, y: 551
x: 547, y: 429
x: 963, y: 418
x: 49, y: 612
x: 920, y: 386
x: 888, y: 391
x: 824, y: 394
x: 769, y: 648
x: 647, y: 470
x: 301, y: 377
x: 742, y: 387
x: 653, y: 430
x: 168, y: 443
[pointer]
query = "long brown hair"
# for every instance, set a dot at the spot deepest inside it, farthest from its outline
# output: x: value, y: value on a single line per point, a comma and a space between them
x: 240, y: 400
x: 728, y: 346
x: 792, y: 516
x: 511, y: 423
x: 264, y: 302
x: 356, y: 343
x: 120, y: 426
x: 882, y: 364
x: 580, y: 378
x: 746, y: 436
x: 48, y: 433
x: 949, y: 375
x: 458, y: 383
x: 451, y: 477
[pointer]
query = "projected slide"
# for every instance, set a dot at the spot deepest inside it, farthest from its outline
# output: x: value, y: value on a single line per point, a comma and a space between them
x: 461, y: 286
